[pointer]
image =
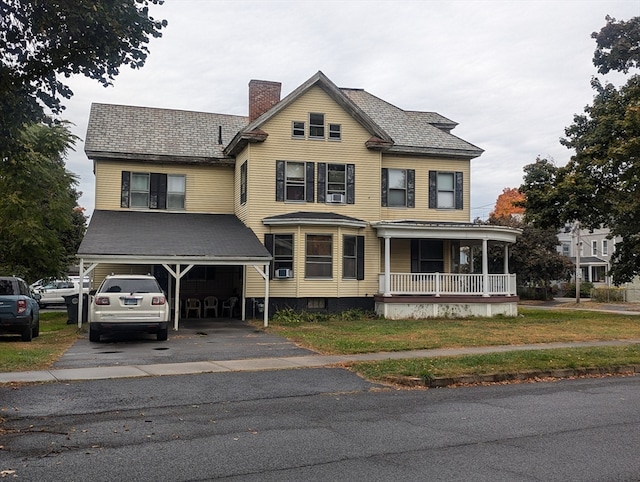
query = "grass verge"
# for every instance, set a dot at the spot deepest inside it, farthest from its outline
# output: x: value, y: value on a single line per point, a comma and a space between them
x: 55, y: 338
x: 500, y: 363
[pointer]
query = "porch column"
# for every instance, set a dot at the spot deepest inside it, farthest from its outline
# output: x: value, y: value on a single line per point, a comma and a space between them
x: 485, y: 267
x: 387, y: 266
x: 506, y: 258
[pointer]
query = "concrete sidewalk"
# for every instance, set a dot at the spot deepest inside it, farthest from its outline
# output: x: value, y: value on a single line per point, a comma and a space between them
x: 271, y: 363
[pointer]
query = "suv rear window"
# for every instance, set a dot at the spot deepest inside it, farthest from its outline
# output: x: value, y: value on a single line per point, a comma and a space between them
x: 6, y: 287
x: 142, y: 285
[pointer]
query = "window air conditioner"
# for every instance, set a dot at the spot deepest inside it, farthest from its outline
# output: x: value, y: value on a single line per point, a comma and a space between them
x: 335, y: 198
x: 284, y: 273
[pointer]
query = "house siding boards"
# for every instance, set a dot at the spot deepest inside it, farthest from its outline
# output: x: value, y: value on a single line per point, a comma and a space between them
x: 208, y: 189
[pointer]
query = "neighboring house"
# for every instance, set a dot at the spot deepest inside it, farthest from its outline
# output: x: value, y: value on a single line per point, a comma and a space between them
x: 327, y: 199
x: 595, y: 250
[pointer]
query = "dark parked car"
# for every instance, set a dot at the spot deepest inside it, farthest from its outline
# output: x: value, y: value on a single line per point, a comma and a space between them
x: 19, y: 311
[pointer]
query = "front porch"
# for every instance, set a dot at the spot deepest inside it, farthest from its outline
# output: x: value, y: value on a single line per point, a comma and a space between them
x: 452, y: 289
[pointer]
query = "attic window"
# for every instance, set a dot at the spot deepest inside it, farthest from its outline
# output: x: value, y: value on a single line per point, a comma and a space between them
x: 334, y: 132
x: 316, y: 126
x: 297, y: 129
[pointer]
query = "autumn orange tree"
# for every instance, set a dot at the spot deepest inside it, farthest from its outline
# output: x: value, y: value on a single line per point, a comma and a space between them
x: 508, y: 204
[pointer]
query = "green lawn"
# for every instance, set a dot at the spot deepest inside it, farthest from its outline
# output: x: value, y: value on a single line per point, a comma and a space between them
x: 55, y: 337
x: 337, y: 336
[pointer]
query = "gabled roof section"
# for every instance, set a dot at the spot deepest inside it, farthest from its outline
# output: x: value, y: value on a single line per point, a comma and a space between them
x: 413, y: 132
x: 159, y: 135
x: 380, y: 137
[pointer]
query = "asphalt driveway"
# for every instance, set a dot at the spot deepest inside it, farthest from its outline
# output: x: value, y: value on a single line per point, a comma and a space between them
x: 196, y: 340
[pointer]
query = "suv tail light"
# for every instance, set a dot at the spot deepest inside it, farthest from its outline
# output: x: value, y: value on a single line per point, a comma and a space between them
x: 22, y: 306
x: 101, y: 300
x: 158, y: 300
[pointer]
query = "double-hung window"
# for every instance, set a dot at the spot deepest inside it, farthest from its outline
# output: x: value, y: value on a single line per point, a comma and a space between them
x: 445, y: 190
x: 294, y: 181
x: 175, y: 191
x: 319, y: 256
x: 316, y: 126
x: 353, y: 257
x: 398, y: 187
x: 335, y: 133
x: 336, y: 182
x: 281, y: 248
x: 139, y: 190
x: 594, y: 248
x: 297, y: 129
x: 605, y: 248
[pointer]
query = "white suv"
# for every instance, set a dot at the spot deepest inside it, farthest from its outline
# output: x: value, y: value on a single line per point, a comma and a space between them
x: 129, y: 303
x: 53, y: 292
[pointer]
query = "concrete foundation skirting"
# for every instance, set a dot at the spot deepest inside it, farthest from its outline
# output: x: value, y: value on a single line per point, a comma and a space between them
x: 399, y: 310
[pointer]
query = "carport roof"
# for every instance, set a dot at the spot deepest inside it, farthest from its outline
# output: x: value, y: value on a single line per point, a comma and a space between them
x: 174, y: 238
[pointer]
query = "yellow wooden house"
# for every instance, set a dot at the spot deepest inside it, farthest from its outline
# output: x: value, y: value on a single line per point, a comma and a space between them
x: 324, y: 200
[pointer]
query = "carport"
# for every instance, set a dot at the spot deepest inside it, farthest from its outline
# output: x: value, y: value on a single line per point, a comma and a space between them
x: 177, y: 241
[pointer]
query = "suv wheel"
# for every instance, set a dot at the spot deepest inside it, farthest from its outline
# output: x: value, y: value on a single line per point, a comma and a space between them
x: 35, y: 331
x: 163, y: 334
x: 27, y: 334
x: 94, y: 334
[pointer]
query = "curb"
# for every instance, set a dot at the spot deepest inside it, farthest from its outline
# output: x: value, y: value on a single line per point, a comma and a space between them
x: 442, y: 382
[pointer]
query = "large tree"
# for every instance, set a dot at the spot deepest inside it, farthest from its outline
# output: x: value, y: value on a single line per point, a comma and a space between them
x: 599, y: 186
x: 41, y: 227
x: 43, y: 41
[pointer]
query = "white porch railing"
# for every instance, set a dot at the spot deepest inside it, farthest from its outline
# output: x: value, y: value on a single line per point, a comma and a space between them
x: 449, y: 284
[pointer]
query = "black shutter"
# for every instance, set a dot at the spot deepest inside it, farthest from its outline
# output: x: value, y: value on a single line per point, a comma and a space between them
x: 280, y: 180
x: 360, y: 257
x: 459, y: 190
x: 411, y: 188
x: 385, y: 184
x: 415, y: 255
x: 125, y: 188
x: 158, y: 191
x: 268, y: 243
x: 351, y: 183
x: 433, y: 189
x: 310, y: 167
x: 322, y: 182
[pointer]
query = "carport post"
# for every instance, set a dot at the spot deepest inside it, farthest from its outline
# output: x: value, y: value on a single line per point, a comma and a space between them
x: 266, y: 296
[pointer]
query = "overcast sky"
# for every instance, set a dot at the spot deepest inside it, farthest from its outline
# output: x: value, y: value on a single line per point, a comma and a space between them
x: 511, y: 73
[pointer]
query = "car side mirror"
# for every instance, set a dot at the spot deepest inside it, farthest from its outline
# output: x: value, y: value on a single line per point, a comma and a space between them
x: 36, y: 296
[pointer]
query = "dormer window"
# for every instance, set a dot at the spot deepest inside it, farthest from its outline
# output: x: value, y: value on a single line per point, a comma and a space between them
x: 316, y: 126
x: 297, y: 129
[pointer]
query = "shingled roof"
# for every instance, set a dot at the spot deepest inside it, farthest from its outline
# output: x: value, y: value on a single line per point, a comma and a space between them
x: 165, y: 135
x: 413, y: 131
x: 144, y: 133
x: 171, y: 237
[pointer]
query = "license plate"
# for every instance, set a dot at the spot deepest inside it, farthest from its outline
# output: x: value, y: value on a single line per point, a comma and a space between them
x: 130, y: 301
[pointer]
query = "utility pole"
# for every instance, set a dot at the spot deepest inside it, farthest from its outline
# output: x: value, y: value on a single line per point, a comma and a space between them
x: 578, y: 270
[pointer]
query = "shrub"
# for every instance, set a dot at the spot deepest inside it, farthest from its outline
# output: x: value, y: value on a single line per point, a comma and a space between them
x: 290, y: 316
x: 585, y: 289
x: 606, y: 295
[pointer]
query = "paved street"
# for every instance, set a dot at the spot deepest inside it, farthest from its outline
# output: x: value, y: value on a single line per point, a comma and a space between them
x: 319, y: 424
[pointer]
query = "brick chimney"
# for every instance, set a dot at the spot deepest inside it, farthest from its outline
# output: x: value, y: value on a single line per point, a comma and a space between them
x: 263, y: 95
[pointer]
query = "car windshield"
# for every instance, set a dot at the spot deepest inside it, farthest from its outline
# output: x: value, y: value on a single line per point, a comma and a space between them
x: 130, y: 285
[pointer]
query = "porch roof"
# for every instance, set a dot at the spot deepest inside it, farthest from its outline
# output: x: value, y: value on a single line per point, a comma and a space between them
x: 172, y: 238
x: 445, y: 230
x: 316, y: 218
